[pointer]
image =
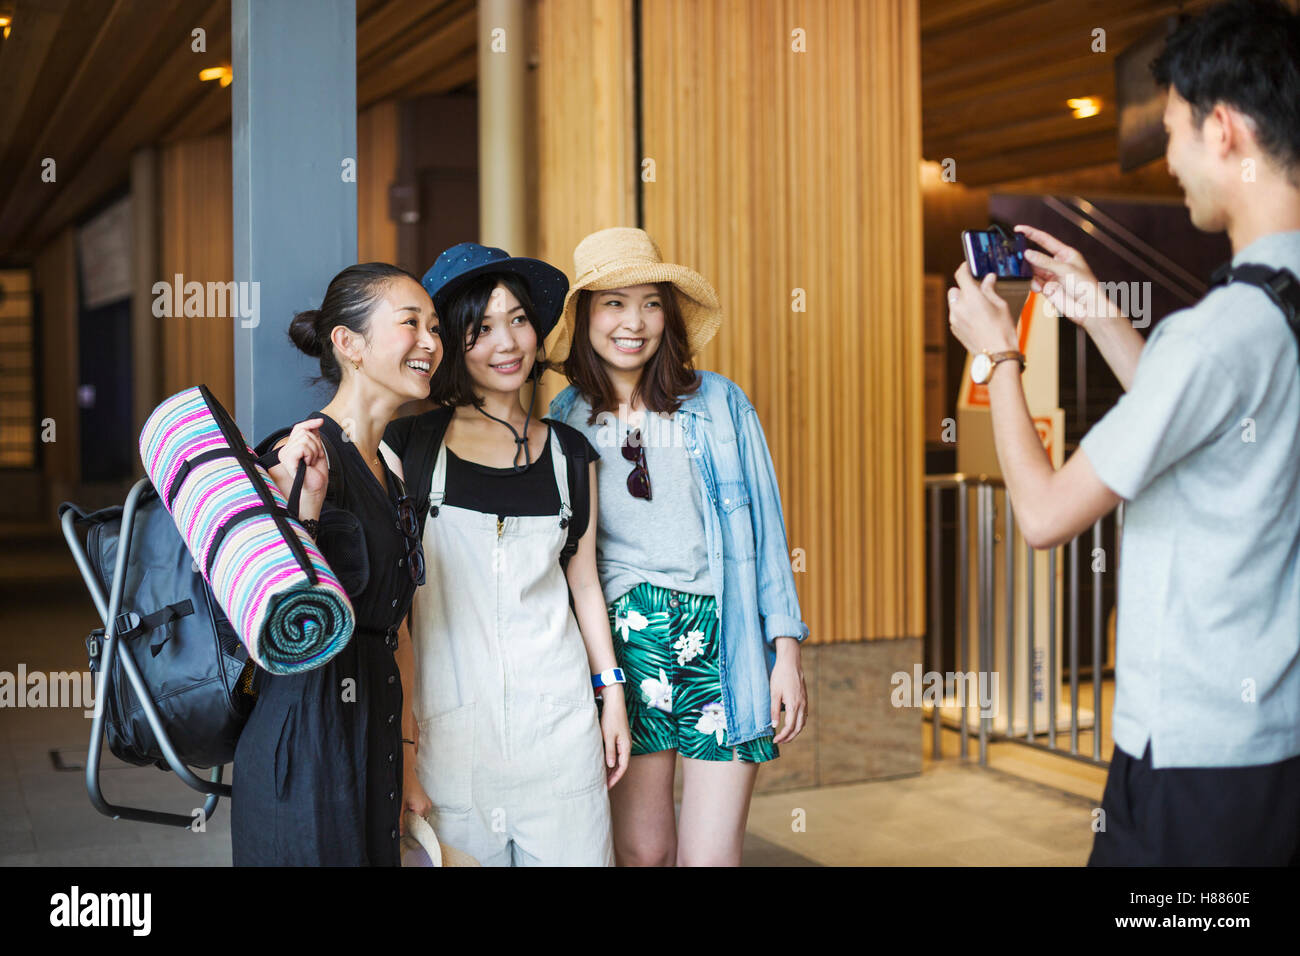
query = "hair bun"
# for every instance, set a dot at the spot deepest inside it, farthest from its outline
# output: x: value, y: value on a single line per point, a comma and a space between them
x: 303, y: 334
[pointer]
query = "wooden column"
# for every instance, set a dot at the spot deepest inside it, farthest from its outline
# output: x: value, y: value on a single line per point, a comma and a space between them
x: 585, y: 112
x: 786, y: 142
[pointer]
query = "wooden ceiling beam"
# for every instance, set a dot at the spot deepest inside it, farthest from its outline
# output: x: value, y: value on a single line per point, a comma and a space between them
x: 76, y: 32
x: 22, y: 59
x: 174, y: 89
x: 434, y: 48
x: 1042, y: 159
x: 387, y: 28
x: 1009, y: 107
x: 410, y: 53
x: 1021, y: 73
x: 213, y: 114
x: 1121, y: 30
x: 1151, y: 183
x: 460, y: 70
x: 938, y: 16
x: 114, y: 70
x: 209, y: 114
x: 988, y: 140
x: 1053, y: 26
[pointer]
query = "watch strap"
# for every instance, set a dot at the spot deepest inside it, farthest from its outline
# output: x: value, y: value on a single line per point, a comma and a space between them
x: 996, y: 357
x: 612, y: 676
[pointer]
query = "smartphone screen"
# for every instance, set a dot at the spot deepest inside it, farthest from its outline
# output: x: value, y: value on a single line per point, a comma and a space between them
x: 988, y: 251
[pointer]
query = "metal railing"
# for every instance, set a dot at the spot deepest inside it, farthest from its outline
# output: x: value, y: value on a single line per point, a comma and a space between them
x: 984, y: 615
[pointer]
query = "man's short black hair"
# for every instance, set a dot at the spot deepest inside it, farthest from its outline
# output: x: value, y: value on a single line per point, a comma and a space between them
x: 1246, y: 54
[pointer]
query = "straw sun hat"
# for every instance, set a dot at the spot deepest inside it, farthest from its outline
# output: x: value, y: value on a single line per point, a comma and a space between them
x: 620, y: 257
x: 420, y: 846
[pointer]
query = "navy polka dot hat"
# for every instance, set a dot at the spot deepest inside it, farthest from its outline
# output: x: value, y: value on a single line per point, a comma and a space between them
x: 465, y: 261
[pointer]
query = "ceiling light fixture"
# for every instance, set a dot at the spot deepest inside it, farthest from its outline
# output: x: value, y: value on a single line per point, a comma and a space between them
x: 1084, y: 106
x: 221, y: 73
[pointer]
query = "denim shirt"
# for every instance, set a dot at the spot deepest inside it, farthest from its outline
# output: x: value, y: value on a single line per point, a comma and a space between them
x: 749, y: 558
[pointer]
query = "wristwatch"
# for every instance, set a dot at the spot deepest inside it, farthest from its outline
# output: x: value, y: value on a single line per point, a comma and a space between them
x: 982, y: 365
x: 612, y: 676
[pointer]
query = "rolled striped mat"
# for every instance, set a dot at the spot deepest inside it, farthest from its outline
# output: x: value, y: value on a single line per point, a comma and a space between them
x: 276, y: 588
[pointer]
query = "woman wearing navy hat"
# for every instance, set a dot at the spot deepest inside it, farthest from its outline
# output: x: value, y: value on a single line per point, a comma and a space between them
x: 510, y: 630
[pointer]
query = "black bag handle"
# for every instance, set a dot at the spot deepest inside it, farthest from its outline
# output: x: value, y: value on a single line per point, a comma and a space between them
x: 247, y: 459
x: 269, y: 457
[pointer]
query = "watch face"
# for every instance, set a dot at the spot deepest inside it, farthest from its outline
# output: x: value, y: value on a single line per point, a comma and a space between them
x: 980, y: 367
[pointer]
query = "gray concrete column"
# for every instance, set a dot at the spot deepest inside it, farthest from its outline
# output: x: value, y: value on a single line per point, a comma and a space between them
x: 294, y: 124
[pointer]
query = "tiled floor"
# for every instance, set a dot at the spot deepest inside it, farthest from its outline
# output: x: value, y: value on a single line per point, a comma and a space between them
x: 45, y: 816
x: 953, y: 813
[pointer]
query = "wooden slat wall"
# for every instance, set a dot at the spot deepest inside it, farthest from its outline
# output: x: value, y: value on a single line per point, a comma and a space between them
x: 584, y: 103
x: 779, y: 170
x: 586, y: 136
x: 195, y: 240
x: 55, y: 279
x: 377, y: 148
x: 19, y: 431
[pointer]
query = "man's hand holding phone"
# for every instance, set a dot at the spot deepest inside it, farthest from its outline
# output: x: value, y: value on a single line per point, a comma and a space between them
x: 1063, y: 276
x: 978, y: 316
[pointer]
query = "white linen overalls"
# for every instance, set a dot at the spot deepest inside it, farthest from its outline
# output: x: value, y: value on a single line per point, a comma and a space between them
x: 510, y: 749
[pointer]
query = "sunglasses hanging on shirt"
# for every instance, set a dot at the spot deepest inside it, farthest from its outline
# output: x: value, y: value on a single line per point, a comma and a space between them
x: 638, y: 483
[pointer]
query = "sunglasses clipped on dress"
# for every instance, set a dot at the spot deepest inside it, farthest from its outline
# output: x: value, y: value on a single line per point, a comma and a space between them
x: 409, y: 525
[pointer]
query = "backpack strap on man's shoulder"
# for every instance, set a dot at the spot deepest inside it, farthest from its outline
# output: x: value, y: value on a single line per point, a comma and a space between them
x: 1280, y: 285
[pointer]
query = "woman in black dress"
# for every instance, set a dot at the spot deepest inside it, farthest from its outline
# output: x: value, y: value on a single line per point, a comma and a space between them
x: 320, y: 777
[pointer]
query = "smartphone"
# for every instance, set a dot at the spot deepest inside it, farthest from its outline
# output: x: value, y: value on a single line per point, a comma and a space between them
x: 989, y: 251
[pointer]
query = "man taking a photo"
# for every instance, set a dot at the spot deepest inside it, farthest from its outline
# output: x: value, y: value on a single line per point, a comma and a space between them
x: 1205, y: 449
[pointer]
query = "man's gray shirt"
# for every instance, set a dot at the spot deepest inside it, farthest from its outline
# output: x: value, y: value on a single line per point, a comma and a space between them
x: 1204, y: 448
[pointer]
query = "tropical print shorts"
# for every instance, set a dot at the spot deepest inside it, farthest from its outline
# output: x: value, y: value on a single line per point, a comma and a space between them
x: 667, y: 645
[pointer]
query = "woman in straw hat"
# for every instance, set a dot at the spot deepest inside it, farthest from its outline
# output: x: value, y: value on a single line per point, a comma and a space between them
x: 691, y: 550
x: 510, y: 631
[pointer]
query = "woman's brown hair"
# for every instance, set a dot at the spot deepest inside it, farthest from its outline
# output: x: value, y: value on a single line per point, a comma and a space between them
x: 668, y: 377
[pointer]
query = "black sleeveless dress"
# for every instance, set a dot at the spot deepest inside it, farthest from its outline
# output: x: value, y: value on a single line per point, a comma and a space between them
x: 318, y: 767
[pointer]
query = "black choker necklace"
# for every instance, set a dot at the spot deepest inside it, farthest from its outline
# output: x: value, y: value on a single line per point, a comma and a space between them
x: 520, y: 443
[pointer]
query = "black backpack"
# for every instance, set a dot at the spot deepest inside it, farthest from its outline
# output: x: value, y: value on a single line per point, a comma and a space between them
x: 198, y: 672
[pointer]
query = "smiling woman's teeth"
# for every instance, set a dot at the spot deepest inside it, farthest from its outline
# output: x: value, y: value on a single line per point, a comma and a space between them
x: 418, y: 366
x: 629, y: 343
